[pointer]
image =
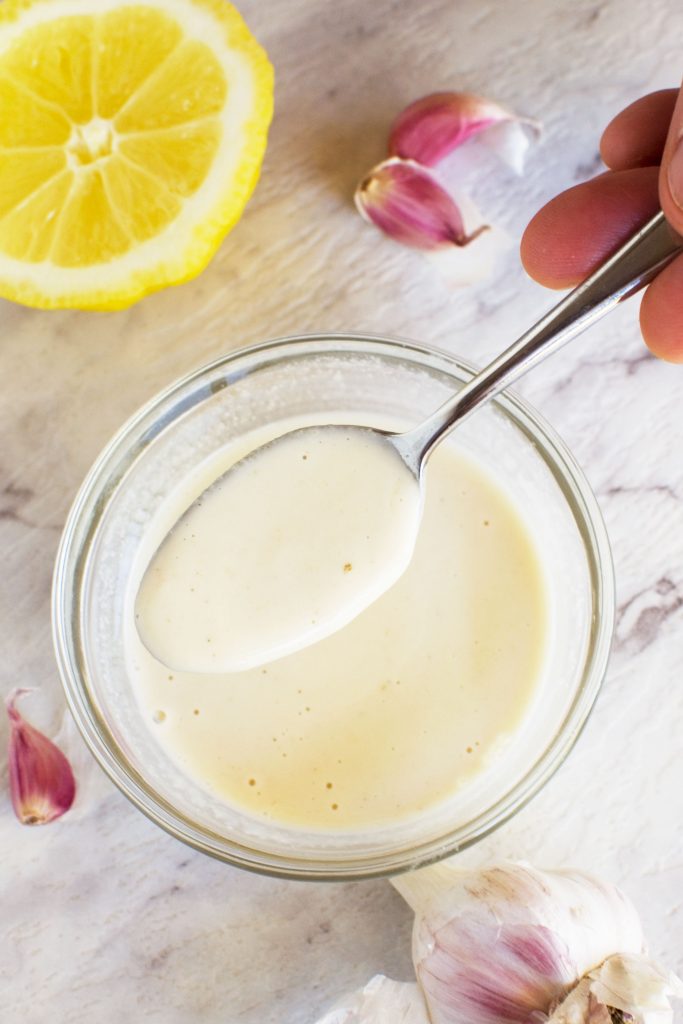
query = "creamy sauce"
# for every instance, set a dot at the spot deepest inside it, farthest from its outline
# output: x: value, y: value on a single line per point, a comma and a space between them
x: 392, y: 714
x: 286, y: 548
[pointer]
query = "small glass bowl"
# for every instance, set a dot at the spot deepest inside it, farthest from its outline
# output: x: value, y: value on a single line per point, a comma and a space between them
x: 235, y: 395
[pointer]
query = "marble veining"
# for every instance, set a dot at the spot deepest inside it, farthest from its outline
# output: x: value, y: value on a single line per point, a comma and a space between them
x: 641, y: 617
x: 106, y: 918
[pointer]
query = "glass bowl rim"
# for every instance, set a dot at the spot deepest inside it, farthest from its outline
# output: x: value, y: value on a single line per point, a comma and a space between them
x: 165, y: 407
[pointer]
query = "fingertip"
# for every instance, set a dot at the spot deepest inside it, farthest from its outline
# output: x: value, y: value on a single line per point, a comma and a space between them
x: 570, y: 236
x: 542, y: 258
x: 671, y: 173
x: 637, y: 135
x: 661, y: 313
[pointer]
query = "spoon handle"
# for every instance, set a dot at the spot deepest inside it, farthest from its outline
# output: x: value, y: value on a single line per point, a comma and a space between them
x: 633, y: 266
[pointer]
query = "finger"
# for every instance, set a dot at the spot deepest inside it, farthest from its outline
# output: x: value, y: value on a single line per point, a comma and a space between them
x: 661, y: 313
x: 636, y: 136
x: 671, y: 177
x: 577, y: 230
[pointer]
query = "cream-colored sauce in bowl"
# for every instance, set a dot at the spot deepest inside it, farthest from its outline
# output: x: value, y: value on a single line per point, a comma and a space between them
x: 396, y: 711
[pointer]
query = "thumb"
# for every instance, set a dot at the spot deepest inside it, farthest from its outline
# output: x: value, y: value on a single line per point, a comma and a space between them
x: 671, y: 175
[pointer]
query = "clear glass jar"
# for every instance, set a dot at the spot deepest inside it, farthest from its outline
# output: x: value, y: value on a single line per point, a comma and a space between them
x: 233, y: 396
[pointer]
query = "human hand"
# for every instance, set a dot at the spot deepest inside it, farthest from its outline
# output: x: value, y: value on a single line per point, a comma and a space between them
x: 570, y: 236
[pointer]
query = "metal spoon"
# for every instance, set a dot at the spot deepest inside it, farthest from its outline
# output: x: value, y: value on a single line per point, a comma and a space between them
x: 264, y: 545
x: 631, y: 267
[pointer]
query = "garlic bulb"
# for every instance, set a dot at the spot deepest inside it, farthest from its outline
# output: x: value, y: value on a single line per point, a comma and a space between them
x: 512, y: 944
x: 42, y: 784
x: 381, y: 1001
x: 502, y: 944
x: 429, y: 129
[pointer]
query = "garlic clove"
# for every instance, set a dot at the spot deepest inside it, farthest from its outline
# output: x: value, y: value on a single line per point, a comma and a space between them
x: 432, y: 127
x: 404, y: 201
x: 42, y: 784
x: 381, y: 1001
x: 506, y: 942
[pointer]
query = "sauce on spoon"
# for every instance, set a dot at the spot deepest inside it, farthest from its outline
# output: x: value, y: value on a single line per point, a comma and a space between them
x: 285, y: 548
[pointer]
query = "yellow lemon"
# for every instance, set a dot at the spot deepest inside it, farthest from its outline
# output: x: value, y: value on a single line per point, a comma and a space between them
x: 131, y: 137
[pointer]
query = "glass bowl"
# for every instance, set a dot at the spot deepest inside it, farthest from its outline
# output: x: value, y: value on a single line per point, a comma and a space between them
x: 237, y: 394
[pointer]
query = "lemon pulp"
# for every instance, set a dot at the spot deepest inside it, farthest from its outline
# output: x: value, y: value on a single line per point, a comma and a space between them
x: 131, y: 137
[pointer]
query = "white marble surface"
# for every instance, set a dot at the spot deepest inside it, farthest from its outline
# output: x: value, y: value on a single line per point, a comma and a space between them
x: 106, y: 918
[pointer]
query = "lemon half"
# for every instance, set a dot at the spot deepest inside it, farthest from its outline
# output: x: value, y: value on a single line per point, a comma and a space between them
x: 131, y: 137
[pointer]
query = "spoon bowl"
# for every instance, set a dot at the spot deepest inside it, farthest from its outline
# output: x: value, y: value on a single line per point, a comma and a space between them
x: 290, y: 544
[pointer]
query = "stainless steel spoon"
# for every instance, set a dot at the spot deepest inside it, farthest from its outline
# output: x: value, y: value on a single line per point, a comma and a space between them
x: 264, y: 545
x: 633, y: 266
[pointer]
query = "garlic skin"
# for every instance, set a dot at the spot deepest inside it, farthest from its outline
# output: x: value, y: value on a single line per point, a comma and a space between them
x: 633, y: 985
x: 381, y: 1001
x: 502, y: 945
x: 459, y: 266
x: 636, y: 986
x: 42, y: 784
x: 429, y: 129
x: 406, y: 202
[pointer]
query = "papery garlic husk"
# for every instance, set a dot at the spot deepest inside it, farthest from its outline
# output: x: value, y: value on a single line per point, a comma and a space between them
x: 499, y: 946
x: 407, y: 203
x: 465, y: 265
x: 42, y: 784
x: 626, y: 986
x: 429, y: 129
x: 381, y: 1001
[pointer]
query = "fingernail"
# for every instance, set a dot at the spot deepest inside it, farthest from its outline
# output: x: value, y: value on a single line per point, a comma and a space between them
x: 675, y: 175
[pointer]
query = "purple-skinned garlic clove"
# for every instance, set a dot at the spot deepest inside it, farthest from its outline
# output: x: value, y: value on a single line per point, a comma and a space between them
x: 42, y: 784
x: 406, y: 202
x: 429, y: 129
